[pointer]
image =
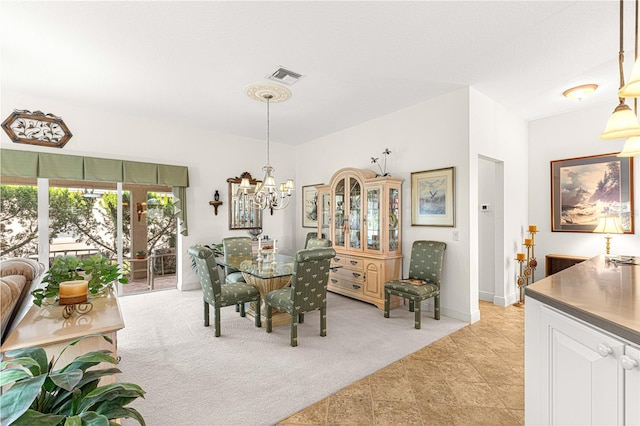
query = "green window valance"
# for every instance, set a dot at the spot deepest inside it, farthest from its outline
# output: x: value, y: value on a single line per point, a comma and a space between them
x: 32, y: 164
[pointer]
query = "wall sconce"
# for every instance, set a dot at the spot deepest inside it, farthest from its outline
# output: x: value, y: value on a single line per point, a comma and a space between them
x: 140, y: 209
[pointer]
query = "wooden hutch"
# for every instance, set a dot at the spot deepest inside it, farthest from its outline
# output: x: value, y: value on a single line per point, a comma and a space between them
x: 361, y: 214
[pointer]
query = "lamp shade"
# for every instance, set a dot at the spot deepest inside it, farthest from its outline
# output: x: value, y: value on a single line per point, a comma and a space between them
x: 609, y: 225
x: 632, y: 88
x: 622, y: 124
x: 631, y: 148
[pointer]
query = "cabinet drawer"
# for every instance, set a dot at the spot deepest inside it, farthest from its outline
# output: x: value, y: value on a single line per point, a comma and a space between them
x: 348, y: 262
x: 348, y: 274
x: 345, y: 284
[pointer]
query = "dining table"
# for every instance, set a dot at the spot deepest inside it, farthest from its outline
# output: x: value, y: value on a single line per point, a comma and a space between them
x: 266, y: 271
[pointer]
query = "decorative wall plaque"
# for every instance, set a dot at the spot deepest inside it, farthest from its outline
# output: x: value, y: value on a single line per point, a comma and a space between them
x: 36, y: 128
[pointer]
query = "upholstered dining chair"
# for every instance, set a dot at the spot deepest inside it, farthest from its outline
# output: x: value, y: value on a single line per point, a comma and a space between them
x: 311, y: 235
x: 235, y: 246
x: 218, y: 295
x: 307, y: 293
x: 425, y: 270
x: 318, y: 243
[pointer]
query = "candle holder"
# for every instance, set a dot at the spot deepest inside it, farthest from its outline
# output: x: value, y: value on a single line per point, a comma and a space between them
x: 520, y: 280
x: 79, y: 308
x: 273, y: 256
x: 533, y: 263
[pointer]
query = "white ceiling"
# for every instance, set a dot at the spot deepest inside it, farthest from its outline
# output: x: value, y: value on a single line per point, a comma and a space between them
x: 189, y: 62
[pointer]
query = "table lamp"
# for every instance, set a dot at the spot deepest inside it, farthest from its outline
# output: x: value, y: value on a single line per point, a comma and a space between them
x: 609, y: 225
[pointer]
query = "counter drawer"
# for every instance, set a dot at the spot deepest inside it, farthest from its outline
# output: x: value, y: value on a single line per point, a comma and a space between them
x: 345, y: 284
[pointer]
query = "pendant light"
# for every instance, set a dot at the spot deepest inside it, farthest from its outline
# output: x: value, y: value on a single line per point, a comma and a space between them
x: 632, y: 89
x: 267, y: 194
x: 623, y: 123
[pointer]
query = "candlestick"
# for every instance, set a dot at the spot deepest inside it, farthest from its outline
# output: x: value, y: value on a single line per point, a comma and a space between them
x: 73, y: 292
x: 528, y: 242
x: 519, y: 256
x: 533, y: 228
x: 275, y: 242
x: 259, y: 242
x: 520, y: 281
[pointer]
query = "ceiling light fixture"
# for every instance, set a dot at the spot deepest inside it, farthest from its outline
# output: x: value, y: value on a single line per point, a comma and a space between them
x: 267, y: 195
x: 623, y: 123
x: 580, y: 92
x: 632, y: 89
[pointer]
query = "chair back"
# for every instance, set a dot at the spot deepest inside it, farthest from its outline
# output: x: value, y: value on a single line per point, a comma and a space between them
x: 313, y: 243
x: 311, y: 235
x: 207, y: 271
x: 426, y: 261
x: 236, y: 246
x: 310, y: 277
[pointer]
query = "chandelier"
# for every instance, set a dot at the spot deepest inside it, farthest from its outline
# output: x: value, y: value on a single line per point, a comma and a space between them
x: 267, y: 194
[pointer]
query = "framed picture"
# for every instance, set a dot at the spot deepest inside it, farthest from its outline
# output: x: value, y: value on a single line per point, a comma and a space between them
x: 587, y: 188
x: 310, y: 206
x: 433, y: 198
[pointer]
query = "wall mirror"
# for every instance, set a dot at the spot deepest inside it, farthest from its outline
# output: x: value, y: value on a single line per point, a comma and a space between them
x: 243, y: 214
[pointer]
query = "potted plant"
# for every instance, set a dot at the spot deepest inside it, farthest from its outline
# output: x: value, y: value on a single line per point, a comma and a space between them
x: 97, y: 269
x: 38, y: 394
x: 141, y: 254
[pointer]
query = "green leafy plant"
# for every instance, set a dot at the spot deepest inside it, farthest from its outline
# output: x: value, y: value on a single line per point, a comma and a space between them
x: 38, y: 394
x: 218, y: 251
x: 99, y: 270
x: 141, y: 252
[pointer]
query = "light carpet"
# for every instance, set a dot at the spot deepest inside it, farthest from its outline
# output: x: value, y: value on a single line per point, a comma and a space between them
x: 249, y: 377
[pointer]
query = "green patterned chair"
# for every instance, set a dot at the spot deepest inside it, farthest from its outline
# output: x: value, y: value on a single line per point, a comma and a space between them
x: 311, y: 235
x: 308, y: 290
x: 218, y: 295
x: 425, y: 265
x: 235, y: 246
x: 313, y: 243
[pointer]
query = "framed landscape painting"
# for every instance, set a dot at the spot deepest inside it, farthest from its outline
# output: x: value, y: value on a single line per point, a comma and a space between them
x: 587, y: 188
x: 433, y: 198
x: 310, y: 206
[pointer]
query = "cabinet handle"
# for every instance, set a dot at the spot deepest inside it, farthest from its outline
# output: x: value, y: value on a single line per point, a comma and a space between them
x: 604, y: 351
x: 334, y: 269
x: 628, y: 363
x: 333, y: 280
x: 356, y: 275
x: 337, y: 259
x: 355, y: 286
x: 353, y: 262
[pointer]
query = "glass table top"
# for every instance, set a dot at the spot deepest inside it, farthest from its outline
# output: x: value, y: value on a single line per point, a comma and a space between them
x: 283, y: 265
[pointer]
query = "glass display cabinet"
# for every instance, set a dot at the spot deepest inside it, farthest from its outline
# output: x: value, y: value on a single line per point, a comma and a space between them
x: 361, y: 214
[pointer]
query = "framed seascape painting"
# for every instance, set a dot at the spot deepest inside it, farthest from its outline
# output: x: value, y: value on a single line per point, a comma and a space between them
x: 587, y: 188
x: 310, y: 206
x: 433, y: 198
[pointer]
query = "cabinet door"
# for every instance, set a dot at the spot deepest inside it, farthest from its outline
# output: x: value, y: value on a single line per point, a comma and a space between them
x: 394, y: 220
x: 373, y: 279
x: 581, y: 373
x: 324, y: 216
x: 373, y: 220
x: 631, y: 365
x: 354, y: 242
x: 339, y: 224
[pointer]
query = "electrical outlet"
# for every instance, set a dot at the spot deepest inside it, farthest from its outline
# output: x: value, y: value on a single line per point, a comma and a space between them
x: 456, y: 236
x: 485, y: 207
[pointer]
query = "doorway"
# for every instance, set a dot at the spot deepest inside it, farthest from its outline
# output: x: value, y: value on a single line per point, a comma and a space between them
x: 491, y: 285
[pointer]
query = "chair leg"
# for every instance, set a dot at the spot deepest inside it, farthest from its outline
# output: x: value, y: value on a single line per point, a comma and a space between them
x: 436, y: 309
x: 411, y: 305
x: 206, y: 313
x: 258, y: 319
x: 242, y: 312
x: 387, y: 302
x: 323, y: 321
x: 216, y: 320
x: 301, y: 318
x: 417, y: 305
x: 294, y: 330
x: 237, y: 307
x: 268, y: 315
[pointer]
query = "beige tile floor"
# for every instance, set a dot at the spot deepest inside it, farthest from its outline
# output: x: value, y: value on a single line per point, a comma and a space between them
x: 474, y: 376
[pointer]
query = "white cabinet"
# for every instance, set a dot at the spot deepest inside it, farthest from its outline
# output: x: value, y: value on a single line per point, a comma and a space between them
x: 577, y: 374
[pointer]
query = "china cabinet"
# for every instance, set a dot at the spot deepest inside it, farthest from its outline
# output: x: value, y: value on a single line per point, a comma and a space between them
x: 361, y: 214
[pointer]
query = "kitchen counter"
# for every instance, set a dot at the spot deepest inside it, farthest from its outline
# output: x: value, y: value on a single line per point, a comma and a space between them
x: 597, y: 291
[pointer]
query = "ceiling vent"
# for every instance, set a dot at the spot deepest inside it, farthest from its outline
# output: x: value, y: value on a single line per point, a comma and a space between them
x: 283, y: 75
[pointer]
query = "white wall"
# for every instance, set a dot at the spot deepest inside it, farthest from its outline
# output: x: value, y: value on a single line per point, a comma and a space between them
x: 486, y: 230
x: 212, y: 158
x: 569, y: 136
x: 430, y: 135
x: 498, y: 134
